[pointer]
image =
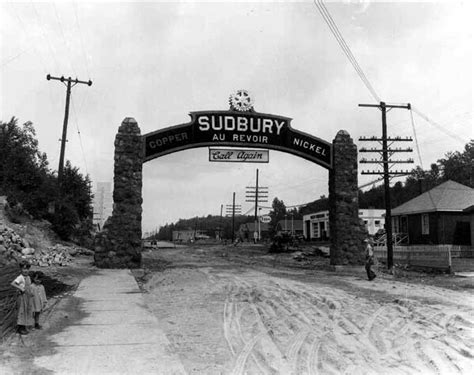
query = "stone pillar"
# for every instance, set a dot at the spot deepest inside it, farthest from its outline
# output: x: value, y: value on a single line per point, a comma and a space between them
x: 118, y: 245
x: 347, y: 231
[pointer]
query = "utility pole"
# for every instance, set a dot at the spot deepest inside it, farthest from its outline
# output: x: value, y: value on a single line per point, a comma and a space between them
x: 195, y: 228
x: 258, y: 195
x: 387, y: 163
x: 232, y: 210
x: 233, y: 216
x: 70, y: 84
x: 220, y: 226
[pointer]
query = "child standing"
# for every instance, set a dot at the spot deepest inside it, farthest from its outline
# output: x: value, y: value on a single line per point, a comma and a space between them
x: 24, y: 300
x: 39, y: 298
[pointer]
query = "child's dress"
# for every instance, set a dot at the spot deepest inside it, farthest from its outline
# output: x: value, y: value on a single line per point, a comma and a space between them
x: 24, y: 301
x: 39, y: 297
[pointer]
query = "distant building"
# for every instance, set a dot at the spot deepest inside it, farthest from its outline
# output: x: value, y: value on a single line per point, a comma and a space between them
x: 189, y: 235
x: 442, y: 215
x: 290, y: 226
x: 149, y: 244
x: 316, y: 224
x: 102, y: 204
x: 246, y: 230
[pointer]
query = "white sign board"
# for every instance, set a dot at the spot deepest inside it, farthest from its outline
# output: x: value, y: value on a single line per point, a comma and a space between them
x: 238, y: 156
x: 265, y: 219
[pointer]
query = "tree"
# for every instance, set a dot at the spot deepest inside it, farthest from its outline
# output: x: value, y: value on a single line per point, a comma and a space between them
x: 456, y: 166
x: 277, y: 213
x: 73, y: 216
x: 459, y: 166
x: 27, y: 181
x: 24, y: 172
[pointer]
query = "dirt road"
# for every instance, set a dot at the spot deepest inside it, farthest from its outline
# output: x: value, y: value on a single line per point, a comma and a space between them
x: 230, y: 310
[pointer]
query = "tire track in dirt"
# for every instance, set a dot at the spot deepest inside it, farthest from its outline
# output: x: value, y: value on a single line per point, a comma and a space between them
x: 287, y: 324
x: 248, y: 351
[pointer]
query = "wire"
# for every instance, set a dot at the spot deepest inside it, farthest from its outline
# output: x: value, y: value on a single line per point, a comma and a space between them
x: 80, y: 138
x: 436, y: 125
x: 64, y: 39
x: 32, y: 45
x: 6, y: 62
x: 81, y: 38
x: 416, y: 139
x: 370, y: 183
x: 43, y: 33
x: 345, y: 48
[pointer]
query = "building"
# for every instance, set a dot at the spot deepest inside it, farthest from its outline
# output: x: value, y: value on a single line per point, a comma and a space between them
x: 102, y: 204
x: 149, y: 244
x: 246, y: 230
x: 442, y: 215
x: 290, y: 226
x: 316, y: 225
x: 189, y: 235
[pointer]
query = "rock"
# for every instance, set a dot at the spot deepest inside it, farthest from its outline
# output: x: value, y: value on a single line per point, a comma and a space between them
x: 298, y: 256
x: 72, y: 251
x: 28, y: 251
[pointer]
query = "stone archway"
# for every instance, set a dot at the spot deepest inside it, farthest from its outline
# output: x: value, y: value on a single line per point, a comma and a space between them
x: 118, y: 245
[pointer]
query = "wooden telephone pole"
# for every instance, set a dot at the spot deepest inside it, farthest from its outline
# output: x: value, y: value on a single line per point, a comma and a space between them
x: 387, y: 163
x: 233, y: 210
x: 257, y: 194
x: 70, y: 84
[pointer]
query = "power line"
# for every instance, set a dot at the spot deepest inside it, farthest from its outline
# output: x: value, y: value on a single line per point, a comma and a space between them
x: 81, y: 39
x: 9, y: 60
x: 64, y: 39
x: 79, y: 133
x: 416, y: 139
x: 43, y: 32
x: 345, y: 48
x: 436, y: 125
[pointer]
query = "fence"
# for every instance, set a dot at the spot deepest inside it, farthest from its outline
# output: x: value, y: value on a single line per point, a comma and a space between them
x: 430, y: 256
x: 8, y: 297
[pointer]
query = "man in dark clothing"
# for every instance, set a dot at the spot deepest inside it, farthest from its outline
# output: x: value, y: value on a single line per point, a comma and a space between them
x: 369, y: 259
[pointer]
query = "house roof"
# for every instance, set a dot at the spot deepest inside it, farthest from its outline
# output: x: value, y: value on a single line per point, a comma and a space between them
x: 321, y: 204
x: 297, y: 224
x: 450, y: 196
x: 250, y: 226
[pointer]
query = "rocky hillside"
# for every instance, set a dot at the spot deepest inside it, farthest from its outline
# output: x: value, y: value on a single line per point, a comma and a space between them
x: 31, y: 241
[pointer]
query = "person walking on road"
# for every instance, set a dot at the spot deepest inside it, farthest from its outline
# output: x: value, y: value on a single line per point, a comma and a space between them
x: 369, y: 259
x: 24, y: 301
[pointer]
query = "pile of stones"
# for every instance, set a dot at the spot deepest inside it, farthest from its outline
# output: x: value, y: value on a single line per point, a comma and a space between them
x: 14, y: 248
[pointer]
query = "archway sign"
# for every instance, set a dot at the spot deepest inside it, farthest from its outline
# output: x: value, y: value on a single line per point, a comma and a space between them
x: 237, y: 129
x: 118, y: 245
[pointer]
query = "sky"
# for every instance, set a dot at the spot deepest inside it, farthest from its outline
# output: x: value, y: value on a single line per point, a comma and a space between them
x: 158, y: 61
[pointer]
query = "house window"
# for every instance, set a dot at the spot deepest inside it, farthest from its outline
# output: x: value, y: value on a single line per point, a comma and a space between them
x: 395, y: 225
x: 425, y: 224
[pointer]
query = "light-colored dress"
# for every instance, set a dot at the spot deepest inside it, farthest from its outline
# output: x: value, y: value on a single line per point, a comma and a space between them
x: 24, y: 301
x: 39, y: 297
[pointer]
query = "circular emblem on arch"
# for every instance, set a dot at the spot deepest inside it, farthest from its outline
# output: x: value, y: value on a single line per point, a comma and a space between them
x: 241, y: 101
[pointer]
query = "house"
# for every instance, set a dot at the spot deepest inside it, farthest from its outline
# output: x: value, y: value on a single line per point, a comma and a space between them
x: 290, y: 226
x: 316, y: 224
x: 442, y: 215
x: 149, y: 244
x: 189, y: 235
